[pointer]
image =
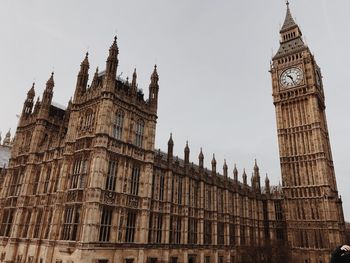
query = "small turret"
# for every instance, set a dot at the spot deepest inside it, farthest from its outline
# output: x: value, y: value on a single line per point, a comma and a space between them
x: 170, y: 148
x: 112, y: 61
x: 213, y: 165
x: 225, y: 168
x: 187, y: 154
x: 244, y: 176
x: 28, y: 104
x: 153, y: 89
x: 7, y: 140
x: 256, y: 176
x: 267, y: 185
x: 48, y: 92
x: 83, y: 77
x: 235, y: 174
x: 201, y: 159
x: 134, y: 82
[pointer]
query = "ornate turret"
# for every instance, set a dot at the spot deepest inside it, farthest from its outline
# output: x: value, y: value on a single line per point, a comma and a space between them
x: 112, y: 61
x: 225, y: 168
x: 134, y: 82
x: 244, y: 176
x: 187, y: 154
x: 267, y: 185
x: 7, y: 140
x: 28, y: 104
x: 48, y: 94
x: 170, y: 148
x: 235, y: 173
x: 213, y: 165
x: 201, y: 159
x: 82, y: 78
x: 291, y: 36
x: 153, y: 89
x: 256, y: 176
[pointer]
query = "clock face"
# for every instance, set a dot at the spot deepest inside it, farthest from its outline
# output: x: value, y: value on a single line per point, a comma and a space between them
x: 291, y: 77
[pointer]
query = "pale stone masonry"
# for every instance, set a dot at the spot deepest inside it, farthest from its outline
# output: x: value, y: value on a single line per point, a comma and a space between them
x: 85, y: 183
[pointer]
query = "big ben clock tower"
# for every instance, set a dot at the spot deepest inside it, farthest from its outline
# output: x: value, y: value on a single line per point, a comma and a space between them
x: 314, y: 216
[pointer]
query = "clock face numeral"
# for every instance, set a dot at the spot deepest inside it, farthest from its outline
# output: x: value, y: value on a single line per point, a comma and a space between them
x: 291, y: 77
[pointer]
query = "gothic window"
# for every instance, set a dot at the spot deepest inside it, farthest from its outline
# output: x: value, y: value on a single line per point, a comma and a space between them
x: 207, y: 259
x: 220, y: 201
x: 130, y: 226
x: 26, y: 223
x: 38, y: 223
x: 118, y: 125
x: 192, y: 231
x: 47, y: 179
x: 173, y: 260
x: 71, y: 222
x: 48, y: 224
x: 278, y: 211
x: 6, y: 222
x: 112, y: 175
x: 36, y: 181
x: 179, y: 191
x: 207, y: 232
x: 221, y: 233
x: 242, y: 235
x: 135, y: 178
x: 15, y: 183
x: 232, y: 234
x: 89, y: 118
x: 221, y: 259
x: 208, y: 198
x: 161, y: 186
x: 105, y: 226
x: 121, y: 225
x: 79, y: 174
x: 155, y: 228
x: 175, y: 229
x: 140, y: 125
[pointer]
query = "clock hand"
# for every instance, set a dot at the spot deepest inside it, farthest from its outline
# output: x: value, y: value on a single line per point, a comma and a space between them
x: 289, y: 76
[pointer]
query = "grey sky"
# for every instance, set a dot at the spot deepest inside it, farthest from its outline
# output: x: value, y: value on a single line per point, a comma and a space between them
x: 213, y: 61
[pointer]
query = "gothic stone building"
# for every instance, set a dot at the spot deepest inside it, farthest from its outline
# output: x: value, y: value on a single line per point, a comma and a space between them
x: 85, y: 184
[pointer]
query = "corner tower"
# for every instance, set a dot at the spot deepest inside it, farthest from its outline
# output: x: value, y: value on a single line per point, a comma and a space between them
x: 314, y: 216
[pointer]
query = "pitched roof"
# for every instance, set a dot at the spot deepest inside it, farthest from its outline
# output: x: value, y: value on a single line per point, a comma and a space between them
x: 288, y: 21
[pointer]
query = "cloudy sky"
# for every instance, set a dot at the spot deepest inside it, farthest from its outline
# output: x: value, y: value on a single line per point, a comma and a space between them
x: 213, y: 59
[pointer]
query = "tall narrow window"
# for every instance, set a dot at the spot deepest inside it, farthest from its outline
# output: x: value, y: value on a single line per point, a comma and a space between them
x: 140, y: 125
x: 111, y: 176
x: 48, y: 225
x: 71, y: 222
x: 192, y: 231
x: 135, y: 178
x: 161, y: 186
x: 36, y: 182
x: 175, y: 229
x: 26, y: 223
x: 130, y: 227
x: 78, y: 178
x: 38, y: 223
x: 221, y: 233
x: 118, y: 125
x: 179, y: 192
x: 16, y: 182
x: 207, y: 232
x: 105, y: 226
x: 47, y: 179
x: 232, y: 234
x: 6, y: 223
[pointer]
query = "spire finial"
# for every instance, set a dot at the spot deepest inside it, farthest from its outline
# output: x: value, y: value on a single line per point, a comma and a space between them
x: 287, y: 2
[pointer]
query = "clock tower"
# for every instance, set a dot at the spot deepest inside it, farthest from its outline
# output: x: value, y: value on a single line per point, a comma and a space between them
x: 314, y: 216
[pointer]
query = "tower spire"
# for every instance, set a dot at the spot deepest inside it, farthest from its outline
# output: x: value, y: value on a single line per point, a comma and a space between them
x: 288, y: 20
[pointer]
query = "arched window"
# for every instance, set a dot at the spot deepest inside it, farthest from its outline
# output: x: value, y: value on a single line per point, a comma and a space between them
x: 118, y: 125
x: 140, y: 125
x: 89, y: 118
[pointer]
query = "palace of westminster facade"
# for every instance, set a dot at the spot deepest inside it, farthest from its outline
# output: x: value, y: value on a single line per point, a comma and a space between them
x: 85, y: 184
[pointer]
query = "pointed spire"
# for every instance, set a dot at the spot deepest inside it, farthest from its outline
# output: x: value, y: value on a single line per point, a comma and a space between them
x: 267, y: 184
x: 112, y: 61
x: 213, y: 164
x: 31, y: 92
x: 244, y: 177
x: 187, y: 153
x: 288, y: 21
x: 154, y: 76
x: 235, y: 173
x: 134, y: 81
x: 170, y: 148
x: 7, y: 140
x: 201, y: 159
x: 50, y: 82
x: 85, y: 63
x: 225, y: 168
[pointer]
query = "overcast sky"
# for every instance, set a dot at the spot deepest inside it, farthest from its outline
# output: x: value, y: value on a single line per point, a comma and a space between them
x: 213, y: 59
